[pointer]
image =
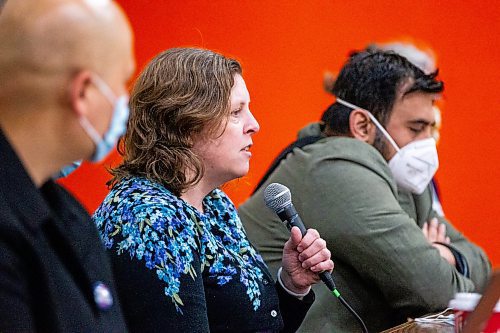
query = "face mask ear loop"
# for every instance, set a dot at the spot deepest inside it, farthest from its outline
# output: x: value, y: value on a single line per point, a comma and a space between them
x: 375, y: 121
x: 104, y: 88
x: 91, y: 131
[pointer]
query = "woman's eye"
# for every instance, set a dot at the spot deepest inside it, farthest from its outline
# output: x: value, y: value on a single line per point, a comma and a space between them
x: 235, y: 116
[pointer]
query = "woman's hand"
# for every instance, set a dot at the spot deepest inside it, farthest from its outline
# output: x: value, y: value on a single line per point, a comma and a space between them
x: 303, y: 259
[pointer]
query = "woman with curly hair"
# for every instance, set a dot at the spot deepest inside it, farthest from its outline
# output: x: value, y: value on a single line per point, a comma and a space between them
x: 181, y: 257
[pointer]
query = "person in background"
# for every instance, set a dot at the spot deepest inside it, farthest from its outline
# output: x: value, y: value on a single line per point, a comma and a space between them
x: 181, y: 257
x: 63, y: 66
x: 425, y: 59
x: 364, y: 186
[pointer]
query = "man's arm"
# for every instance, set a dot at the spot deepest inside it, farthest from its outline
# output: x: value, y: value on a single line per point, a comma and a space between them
x: 470, y: 259
x: 435, y: 233
x: 478, y: 265
x: 362, y: 219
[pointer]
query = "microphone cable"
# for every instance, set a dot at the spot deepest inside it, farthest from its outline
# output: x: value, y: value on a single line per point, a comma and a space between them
x: 278, y: 197
x: 330, y: 283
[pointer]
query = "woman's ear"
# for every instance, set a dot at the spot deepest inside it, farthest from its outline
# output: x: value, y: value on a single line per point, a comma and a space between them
x: 79, y: 92
x: 361, y: 126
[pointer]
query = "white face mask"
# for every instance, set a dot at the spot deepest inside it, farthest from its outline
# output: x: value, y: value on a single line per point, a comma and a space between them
x: 117, y: 126
x: 415, y: 164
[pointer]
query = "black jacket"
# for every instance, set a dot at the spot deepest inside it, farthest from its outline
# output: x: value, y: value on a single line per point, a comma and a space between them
x: 54, y: 273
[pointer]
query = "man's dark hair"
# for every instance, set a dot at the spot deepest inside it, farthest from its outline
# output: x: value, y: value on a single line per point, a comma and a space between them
x: 372, y: 79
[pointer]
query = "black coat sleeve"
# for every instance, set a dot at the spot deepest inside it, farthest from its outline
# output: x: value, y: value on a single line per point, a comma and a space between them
x: 293, y: 310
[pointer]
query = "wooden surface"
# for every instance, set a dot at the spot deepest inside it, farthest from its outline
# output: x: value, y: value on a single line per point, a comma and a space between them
x: 413, y: 326
x: 475, y: 321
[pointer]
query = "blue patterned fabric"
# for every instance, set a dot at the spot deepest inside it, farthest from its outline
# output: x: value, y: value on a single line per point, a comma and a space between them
x: 144, y: 220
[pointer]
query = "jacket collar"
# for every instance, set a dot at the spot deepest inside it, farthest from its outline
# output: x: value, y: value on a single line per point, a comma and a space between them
x: 19, y: 190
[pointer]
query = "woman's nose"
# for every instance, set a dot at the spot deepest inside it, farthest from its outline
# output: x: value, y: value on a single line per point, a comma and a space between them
x: 252, y: 126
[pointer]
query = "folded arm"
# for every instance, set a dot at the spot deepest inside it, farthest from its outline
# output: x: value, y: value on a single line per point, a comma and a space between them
x: 374, y: 235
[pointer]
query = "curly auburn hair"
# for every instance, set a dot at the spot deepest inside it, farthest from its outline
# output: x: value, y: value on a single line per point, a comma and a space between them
x: 182, y: 95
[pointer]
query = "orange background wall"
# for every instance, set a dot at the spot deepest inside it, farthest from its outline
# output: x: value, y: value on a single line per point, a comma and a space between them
x: 285, y: 47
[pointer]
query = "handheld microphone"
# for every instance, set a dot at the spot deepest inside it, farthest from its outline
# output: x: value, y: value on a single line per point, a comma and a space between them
x: 278, y: 198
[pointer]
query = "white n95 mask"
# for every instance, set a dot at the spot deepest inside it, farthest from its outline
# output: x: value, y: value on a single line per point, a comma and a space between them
x: 117, y: 126
x: 414, y: 165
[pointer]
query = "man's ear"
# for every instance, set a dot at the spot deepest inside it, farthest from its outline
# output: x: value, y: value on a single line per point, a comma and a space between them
x: 79, y: 92
x: 360, y: 125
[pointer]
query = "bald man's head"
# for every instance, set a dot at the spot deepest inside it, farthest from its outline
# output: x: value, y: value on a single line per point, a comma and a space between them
x: 45, y: 42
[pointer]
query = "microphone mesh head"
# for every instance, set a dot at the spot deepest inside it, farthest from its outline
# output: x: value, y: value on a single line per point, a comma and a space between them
x: 277, y: 196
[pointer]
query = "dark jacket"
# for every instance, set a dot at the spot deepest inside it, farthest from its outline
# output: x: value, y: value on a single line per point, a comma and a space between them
x: 54, y: 272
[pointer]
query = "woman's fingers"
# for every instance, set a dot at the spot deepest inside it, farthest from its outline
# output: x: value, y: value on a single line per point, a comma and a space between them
x: 324, y: 266
x: 313, y: 252
x: 308, y: 239
x: 316, y: 258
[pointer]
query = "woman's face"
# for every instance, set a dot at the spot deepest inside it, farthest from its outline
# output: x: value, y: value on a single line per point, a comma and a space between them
x: 228, y: 156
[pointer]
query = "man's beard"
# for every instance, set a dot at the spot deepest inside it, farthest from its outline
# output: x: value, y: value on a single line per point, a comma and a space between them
x: 380, y: 143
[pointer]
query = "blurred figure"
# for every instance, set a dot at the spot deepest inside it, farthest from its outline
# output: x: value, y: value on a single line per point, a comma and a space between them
x: 364, y: 186
x: 64, y: 65
x: 422, y: 57
x: 182, y: 260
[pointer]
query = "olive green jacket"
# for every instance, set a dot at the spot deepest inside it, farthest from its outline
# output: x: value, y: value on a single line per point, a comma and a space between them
x: 384, y: 267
